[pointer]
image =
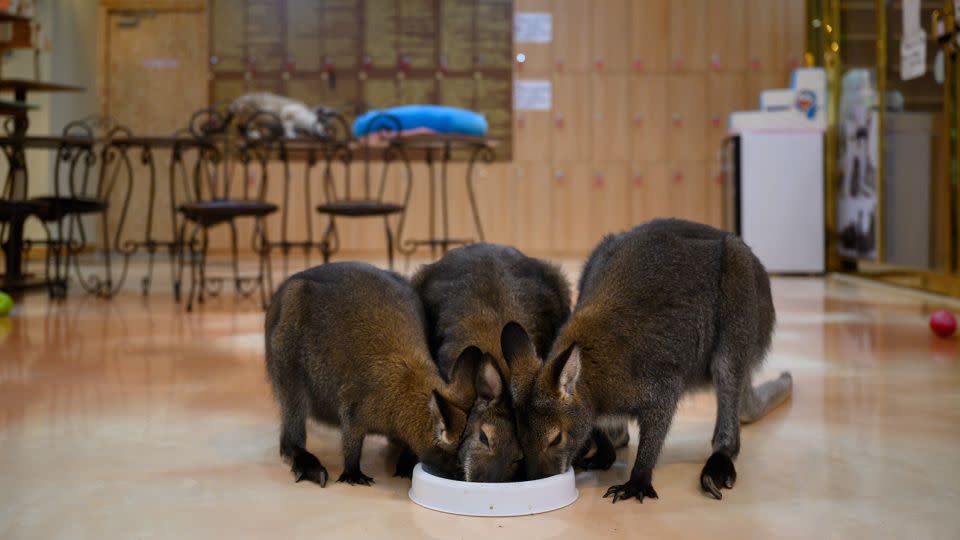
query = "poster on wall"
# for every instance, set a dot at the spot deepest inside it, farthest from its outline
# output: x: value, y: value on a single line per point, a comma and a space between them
x: 859, y: 157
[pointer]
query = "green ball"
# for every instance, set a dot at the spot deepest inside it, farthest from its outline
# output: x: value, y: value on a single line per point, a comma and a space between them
x: 6, y: 304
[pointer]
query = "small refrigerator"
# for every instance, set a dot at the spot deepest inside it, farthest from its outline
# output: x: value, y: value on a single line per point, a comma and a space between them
x: 773, y: 197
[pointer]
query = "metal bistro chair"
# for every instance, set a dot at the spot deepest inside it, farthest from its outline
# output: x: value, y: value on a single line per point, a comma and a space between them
x: 226, y: 143
x: 343, y: 202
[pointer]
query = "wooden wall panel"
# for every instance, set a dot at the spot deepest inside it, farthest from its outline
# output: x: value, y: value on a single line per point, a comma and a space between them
x: 765, y: 33
x: 687, y: 190
x: 496, y: 196
x: 534, y: 221
x: 534, y: 133
x: 649, y: 192
x: 688, y: 30
x: 795, y: 33
x: 714, y: 194
x: 609, y: 202
x: 570, y: 199
x: 726, y: 35
x: 725, y: 93
x: 611, y: 36
x: 649, y: 117
x: 571, y: 34
x: 609, y: 123
x: 650, y: 35
x: 571, y: 115
x: 687, y: 106
x: 538, y: 57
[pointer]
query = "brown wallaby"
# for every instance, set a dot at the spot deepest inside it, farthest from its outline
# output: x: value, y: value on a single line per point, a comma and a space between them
x: 468, y: 296
x: 664, y: 308
x: 346, y: 344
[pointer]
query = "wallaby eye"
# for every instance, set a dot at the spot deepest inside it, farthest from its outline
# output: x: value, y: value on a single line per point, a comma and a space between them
x: 484, y: 439
x: 556, y: 440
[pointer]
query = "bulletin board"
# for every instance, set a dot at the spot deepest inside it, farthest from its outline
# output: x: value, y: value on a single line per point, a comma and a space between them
x: 357, y: 55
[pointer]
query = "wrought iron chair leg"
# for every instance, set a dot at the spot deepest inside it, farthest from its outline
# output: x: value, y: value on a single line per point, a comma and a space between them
x: 325, y: 248
x: 107, y: 290
x: 235, y: 256
x: 204, y: 244
x: 266, y: 267
x: 148, y: 279
x: 386, y: 226
x: 194, y: 255
x: 178, y: 254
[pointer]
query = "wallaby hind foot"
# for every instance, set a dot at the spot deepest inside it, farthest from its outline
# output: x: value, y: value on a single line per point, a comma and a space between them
x: 355, y: 478
x: 759, y: 400
x: 718, y: 473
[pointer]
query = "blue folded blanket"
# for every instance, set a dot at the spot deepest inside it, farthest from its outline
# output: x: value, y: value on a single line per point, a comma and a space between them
x: 438, y: 118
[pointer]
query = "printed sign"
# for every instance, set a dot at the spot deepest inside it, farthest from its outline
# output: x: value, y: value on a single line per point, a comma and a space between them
x: 913, y: 56
x: 532, y: 95
x: 532, y: 27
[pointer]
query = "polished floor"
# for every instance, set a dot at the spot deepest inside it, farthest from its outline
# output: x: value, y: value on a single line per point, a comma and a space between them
x: 133, y: 419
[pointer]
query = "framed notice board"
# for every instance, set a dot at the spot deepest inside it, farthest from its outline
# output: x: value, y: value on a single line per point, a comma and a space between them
x: 356, y: 55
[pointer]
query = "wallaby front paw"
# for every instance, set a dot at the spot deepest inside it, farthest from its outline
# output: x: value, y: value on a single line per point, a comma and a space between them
x: 600, y: 460
x: 718, y: 473
x: 307, y: 467
x: 355, y: 478
x: 632, y: 488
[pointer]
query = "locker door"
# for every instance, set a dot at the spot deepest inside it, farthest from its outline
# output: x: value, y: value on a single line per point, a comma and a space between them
x: 611, y: 36
x: 533, y: 186
x: 538, y: 57
x: 795, y: 33
x: 727, y: 35
x: 649, y: 117
x: 533, y: 135
x: 725, y: 94
x: 649, y: 195
x: 571, y: 117
x: 570, y: 196
x: 714, y: 195
x: 609, y: 201
x: 687, y: 190
x: 688, y: 117
x: 571, y: 35
x: 756, y: 83
x: 765, y: 36
x: 649, y: 36
x: 497, y: 200
x: 610, y: 125
x: 688, y: 28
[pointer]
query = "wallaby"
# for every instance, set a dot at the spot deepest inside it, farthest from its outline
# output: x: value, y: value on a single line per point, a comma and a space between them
x: 667, y: 307
x: 346, y: 344
x: 468, y: 296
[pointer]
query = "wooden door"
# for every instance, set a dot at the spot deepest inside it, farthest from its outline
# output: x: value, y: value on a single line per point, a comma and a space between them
x: 571, y: 118
x: 649, y: 192
x: 538, y: 58
x: 725, y: 94
x: 650, y: 35
x: 610, y: 126
x: 532, y: 182
x: 571, y: 34
x: 611, y: 36
x: 153, y: 77
x: 688, y: 29
x: 649, y: 117
x: 687, y: 100
x: 727, y: 35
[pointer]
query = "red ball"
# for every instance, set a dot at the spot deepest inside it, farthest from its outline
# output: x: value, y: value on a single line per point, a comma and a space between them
x: 943, y: 323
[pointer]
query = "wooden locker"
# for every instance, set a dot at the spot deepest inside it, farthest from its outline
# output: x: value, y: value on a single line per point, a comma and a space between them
x: 795, y: 33
x: 538, y: 58
x: 533, y: 185
x: 610, y: 36
x: 649, y: 117
x: 649, y: 191
x: 571, y: 35
x: 497, y: 201
x: 727, y: 35
x: 725, y: 94
x: 571, y: 117
x: 688, y: 29
x: 688, y: 120
x: 714, y: 197
x: 765, y: 32
x: 650, y: 36
x: 755, y: 83
x: 570, y: 195
x: 609, y: 201
x: 533, y: 135
x: 610, y: 121
x: 687, y: 190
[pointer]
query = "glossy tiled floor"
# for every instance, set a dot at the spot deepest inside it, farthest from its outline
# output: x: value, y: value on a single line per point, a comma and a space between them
x: 132, y: 419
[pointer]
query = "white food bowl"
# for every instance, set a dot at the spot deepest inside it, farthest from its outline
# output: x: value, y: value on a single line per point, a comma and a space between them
x: 493, y: 499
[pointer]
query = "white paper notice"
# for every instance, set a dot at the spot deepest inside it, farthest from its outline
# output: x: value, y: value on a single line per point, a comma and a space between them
x: 911, y: 17
x: 532, y: 27
x: 913, y: 56
x: 532, y: 95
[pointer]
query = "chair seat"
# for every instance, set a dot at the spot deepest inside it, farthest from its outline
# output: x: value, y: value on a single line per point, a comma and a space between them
x: 53, y: 208
x: 359, y: 208
x: 216, y: 211
x: 10, y: 210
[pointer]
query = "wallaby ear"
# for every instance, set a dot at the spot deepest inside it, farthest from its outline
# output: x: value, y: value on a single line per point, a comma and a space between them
x: 444, y: 416
x: 521, y: 357
x: 463, y: 374
x: 489, y: 380
x: 565, y: 371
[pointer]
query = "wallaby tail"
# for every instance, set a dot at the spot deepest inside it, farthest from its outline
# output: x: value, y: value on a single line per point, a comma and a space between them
x: 757, y: 401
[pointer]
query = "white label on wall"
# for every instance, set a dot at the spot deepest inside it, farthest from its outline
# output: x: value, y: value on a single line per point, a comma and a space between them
x: 913, y: 56
x: 532, y: 27
x: 532, y: 95
x: 160, y: 63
